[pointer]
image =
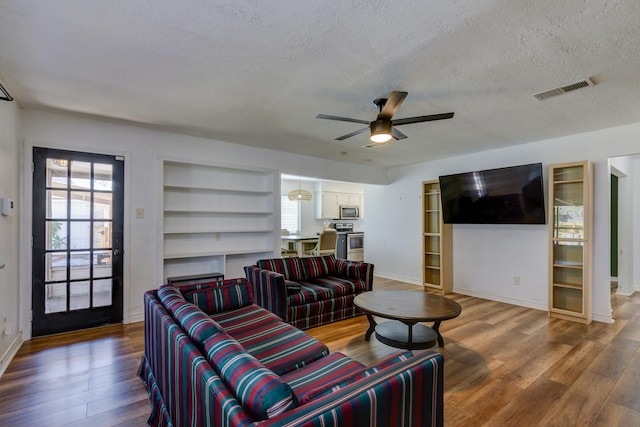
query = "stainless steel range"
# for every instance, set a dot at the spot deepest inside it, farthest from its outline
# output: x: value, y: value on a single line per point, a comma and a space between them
x: 350, y: 243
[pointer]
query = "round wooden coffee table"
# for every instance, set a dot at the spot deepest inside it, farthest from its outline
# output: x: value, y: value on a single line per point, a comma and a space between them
x: 406, y: 309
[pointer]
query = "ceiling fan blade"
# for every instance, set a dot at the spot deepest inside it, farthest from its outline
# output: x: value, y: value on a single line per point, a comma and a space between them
x: 342, y: 119
x: 419, y: 119
x: 349, y: 135
x: 397, y: 134
x: 391, y: 106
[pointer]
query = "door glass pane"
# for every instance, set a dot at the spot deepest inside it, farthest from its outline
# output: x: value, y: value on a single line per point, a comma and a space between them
x: 102, y: 266
x: 56, y: 266
x: 80, y: 175
x: 103, y: 177
x: 102, y: 205
x: 55, y: 297
x: 56, y: 232
x: 101, y: 234
x: 57, y: 173
x: 79, y: 295
x: 56, y: 204
x: 80, y: 204
x: 80, y: 267
x: 80, y: 235
x: 102, y: 292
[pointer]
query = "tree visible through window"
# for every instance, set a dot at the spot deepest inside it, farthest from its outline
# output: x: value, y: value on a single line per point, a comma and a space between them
x: 290, y: 215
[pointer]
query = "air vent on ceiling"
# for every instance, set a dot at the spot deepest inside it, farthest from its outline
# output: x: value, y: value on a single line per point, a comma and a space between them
x: 564, y: 89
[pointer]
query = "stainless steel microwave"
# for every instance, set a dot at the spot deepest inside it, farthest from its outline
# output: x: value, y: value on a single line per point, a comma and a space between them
x: 349, y: 212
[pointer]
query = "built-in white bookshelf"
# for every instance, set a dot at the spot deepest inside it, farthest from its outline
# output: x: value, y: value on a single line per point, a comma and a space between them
x: 217, y: 218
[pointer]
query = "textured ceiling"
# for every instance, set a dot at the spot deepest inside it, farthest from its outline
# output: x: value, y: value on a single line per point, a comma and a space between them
x: 257, y: 73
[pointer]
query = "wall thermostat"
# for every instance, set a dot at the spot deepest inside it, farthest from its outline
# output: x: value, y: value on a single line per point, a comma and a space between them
x: 7, y: 207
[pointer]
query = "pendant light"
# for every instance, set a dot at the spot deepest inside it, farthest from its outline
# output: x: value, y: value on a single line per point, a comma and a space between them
x: 299, y: 194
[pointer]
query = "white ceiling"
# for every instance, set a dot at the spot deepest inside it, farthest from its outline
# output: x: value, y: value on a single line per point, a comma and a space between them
x: 258, y: 72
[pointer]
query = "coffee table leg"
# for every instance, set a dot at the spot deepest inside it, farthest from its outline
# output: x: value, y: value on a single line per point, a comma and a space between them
x: 410, y: 335
x: 372, y: 327
x: 436, y: 327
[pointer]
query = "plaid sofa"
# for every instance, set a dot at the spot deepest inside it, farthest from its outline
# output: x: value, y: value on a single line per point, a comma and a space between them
x: 310, y: 291
x: 213, y: 358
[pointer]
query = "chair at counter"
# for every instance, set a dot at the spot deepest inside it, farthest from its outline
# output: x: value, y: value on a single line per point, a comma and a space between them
x: 326, y: 245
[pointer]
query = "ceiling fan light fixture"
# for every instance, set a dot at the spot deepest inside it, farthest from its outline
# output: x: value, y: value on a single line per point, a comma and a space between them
x: 380, y: 131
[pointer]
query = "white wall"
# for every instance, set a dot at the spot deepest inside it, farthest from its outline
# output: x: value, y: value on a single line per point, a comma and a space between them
x: 144, y: 149
x: 486, y: 257
x: 10, y: 337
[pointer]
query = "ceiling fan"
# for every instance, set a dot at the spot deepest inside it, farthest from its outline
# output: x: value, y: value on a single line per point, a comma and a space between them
x: 383, y: 127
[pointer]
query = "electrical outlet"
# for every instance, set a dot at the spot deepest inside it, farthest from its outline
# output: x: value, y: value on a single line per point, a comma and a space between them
x: 8, y: 328
x: 516, y: 280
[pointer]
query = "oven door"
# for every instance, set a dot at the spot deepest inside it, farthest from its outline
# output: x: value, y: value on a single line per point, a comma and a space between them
x: 355, y: 246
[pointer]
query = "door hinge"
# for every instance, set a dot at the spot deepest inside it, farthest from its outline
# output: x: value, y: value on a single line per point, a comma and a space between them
x: 31, y: 316
x: 120, y: 158
x: 33, y: 167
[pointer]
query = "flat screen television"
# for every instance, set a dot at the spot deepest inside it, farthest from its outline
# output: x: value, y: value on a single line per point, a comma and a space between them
x: 512, y: 195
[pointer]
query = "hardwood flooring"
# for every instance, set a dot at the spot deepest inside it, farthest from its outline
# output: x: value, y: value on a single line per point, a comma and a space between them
x: 505, y: 366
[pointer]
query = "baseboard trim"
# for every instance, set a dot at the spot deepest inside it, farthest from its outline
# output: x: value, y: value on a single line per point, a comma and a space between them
x: 500, y: 298
x: 625, y: 292
x: 11, y: 352
x: 398, y: 278
x: 135, y: 318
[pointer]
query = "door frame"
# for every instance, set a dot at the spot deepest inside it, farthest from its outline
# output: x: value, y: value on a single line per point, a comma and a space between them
x: 26, y: 225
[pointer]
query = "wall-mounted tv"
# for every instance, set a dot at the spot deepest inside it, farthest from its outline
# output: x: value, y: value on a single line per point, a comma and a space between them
x: 512, y: 195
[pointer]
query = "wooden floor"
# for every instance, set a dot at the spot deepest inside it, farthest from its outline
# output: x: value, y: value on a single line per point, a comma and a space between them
x: 505, y: 366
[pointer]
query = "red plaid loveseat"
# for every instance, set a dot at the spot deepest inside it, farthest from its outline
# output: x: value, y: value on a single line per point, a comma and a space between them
x: 213, y: 358
x: 310, y: 291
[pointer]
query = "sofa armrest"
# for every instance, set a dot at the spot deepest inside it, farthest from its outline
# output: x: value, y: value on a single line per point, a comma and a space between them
x: 269, y: 290
x: 356, y: 270
x: 408, y: 393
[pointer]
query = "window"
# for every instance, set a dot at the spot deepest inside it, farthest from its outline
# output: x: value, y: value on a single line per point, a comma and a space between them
x: 290, y: 215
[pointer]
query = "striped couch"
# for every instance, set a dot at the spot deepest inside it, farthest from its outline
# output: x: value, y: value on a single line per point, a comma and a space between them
x: 310, y: 291
x: 213, y: 358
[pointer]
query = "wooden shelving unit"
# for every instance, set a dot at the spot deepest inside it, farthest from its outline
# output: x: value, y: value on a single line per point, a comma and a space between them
x: 570, y: 251
x: 436, y: 241
x: 216, y: 218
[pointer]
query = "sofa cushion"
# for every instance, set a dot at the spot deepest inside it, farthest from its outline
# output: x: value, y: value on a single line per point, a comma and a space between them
x: 292, y: 287
x: 335, y: 383
x: 330, y: 369
x: 221, y: 296
x: 278, y: 345
x: 353, y: 269
x: 318, y: 313
x: 326, y: 288
x: 290, y: 268
x: 317, y: 266
x: 259, y: 390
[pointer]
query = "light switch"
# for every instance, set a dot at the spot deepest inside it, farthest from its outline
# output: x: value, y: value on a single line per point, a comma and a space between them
x: 7, y: 207
x: 139, y: 213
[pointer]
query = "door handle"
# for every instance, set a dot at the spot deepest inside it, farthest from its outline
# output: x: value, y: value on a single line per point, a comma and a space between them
x: 117, y: 252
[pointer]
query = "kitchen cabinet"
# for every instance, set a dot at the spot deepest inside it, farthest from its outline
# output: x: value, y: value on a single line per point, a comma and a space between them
x: 216, y: 218
x: 570, y: 244
x: 328, y: 203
